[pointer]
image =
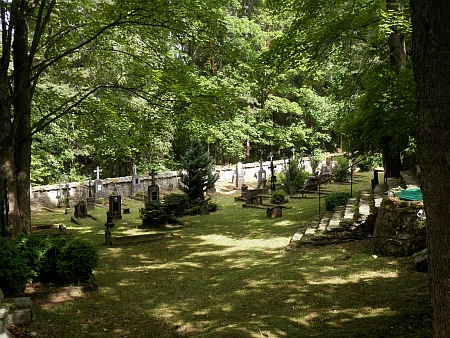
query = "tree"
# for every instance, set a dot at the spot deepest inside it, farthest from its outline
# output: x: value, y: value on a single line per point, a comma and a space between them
x: 198, y: 176
x: 55, y: 56
x: 432, y: 72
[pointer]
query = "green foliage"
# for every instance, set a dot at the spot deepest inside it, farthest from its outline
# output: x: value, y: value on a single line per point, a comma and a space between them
x: 154, y: 215
x: 295, y: 174
x: 368, y: 163
x: 341, y: 169
x: 76, y: 261
x: 14, y: 271
x: 197, y: 176
x: 278, y: 197
x: 60, y: 260
x: 336, y: 199
x: 176, y: 204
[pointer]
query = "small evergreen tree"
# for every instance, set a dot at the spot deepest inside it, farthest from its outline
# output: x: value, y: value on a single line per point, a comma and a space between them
x: 197, y: 176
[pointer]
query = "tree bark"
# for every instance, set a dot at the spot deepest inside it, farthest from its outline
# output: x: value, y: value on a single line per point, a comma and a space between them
x: 431, y: 53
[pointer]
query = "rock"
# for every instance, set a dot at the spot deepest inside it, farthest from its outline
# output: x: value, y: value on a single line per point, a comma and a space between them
x: 421, y: 260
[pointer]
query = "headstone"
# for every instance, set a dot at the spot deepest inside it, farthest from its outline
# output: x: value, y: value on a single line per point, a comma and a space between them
x: 115, y: 207
x: 274, y: 212
x: 239, y: 175
x: 98, y: 186
x: 292, y: 188
x: 262, y: 176
x: 90, y: 203
x: 326, y: 171
x: 81, y: 209
x: 244, y: 190
x: 135, y: 182
x: 153, y: 189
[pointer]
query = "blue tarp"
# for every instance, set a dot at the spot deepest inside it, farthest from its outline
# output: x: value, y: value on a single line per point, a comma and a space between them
x: 412, y: 194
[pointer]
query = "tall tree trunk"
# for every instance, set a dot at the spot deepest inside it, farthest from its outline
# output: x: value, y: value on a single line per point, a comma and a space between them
x: 431, y: 53
x: 397, y: 52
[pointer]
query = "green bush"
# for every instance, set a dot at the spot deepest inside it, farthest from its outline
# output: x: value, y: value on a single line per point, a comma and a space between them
x: 336, y: 199
x: 278, y: 197
x: 176, y: 204
x: 60, y: 260
x: 14, y: 271
x: 299, y: 176
x: 77, y: 261
x: 154, y: 215
x: 34, y: 250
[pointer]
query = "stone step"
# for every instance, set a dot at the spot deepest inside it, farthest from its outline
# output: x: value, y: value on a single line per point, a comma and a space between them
x: 297, y: 237
x: 364, y: 209
x: 350, y: 212
x: 335, y: 223
x: 322, y: 228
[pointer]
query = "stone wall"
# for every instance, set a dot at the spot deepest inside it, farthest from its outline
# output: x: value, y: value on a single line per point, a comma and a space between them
x: 399, y: 228
x: 47, y: 196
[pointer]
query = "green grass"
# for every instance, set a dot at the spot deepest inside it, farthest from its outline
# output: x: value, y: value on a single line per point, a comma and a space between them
x: 228, y: 275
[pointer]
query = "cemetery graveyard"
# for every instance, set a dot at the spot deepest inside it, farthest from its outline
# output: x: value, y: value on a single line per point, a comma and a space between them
x: 217, y: 275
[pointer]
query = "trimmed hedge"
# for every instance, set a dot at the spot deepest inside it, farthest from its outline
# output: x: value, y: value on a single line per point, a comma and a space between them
x: 336, y: 199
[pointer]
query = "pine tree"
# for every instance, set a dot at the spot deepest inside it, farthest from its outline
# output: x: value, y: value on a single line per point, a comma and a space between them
x: 197, y: 175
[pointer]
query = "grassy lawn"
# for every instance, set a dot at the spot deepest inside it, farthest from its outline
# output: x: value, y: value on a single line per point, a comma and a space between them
x: 228, y: 275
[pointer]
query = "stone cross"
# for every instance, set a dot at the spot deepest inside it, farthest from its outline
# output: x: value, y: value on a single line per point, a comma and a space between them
x: 98, y: 171
x: 153, y: 175
x: 135, y: 169
x: 260, y: 164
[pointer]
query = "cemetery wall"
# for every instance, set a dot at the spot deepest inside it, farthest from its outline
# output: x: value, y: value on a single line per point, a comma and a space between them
x: 48, y: 196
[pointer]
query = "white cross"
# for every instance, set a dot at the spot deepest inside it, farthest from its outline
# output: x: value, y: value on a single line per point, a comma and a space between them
x: 135, y: 169
x: 98, y: 171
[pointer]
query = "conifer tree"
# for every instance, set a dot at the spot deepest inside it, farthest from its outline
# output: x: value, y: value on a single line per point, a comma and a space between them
x: 197, y: 175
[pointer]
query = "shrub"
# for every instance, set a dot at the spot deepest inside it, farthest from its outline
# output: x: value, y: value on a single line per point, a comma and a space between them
x: 176, y: 204
x: 278, y: 197
x: 60, y: 260
x: 77, y: 261
x: 336, y: 199
x: 298, y: 176
x: 14, y: 270
x: 154, y: 215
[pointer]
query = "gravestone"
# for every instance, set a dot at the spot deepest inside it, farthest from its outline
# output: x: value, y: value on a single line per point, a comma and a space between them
x: 98, y: 186
x: 326, y: 171
x: 135, y: 182
x: 81, y: 209
x: 239, y: 175
x: 115, y: 207
x: 262, y: 180
x: 90, y: 200
x: 153, y: 189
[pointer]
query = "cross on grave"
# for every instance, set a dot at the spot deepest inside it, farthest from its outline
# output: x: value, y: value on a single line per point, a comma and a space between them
x: 98, y: 184
x: 98, y: 171
x: 134, y: 169
x: 135, y: 181
x: 153, y: 175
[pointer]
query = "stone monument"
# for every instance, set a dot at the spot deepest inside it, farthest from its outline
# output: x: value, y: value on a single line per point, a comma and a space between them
x: 98, y: 186
x: 153, y: 189
x: 135, y: 182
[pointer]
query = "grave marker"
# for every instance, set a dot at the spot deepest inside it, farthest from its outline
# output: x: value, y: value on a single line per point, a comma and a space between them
x: 153, y: 189
x: 239, y: 175
x: 115, y: 207
x: 98, y: 185
x: 262, y: 181
x: 135, y: 182
x: 80, y: 209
